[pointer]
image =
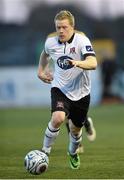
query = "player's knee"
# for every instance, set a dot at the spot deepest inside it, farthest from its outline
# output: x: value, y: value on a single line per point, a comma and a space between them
x: 74, y: 130
x: 58, y: 118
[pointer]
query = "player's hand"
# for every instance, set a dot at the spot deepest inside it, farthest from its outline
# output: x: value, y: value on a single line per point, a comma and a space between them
x: 46, y: 77
x: 73, y: 62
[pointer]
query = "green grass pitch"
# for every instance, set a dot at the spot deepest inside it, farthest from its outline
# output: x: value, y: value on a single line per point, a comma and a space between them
x: 22, y: 130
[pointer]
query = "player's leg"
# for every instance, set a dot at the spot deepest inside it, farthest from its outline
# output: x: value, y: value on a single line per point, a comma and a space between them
x: 52, y: 130
x: 90, y: 132
x: 75, y: 136
x: 83, y: 105
x: 80, y: 148
x: 78, y: 114
x: 58, y: 116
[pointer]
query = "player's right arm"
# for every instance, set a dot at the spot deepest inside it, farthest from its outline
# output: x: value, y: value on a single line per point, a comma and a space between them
x: 43, y: 62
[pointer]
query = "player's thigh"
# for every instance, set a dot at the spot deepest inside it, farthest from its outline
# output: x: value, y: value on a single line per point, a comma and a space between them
x: 59, y: 102
x: 78, y: 117
x: 79, y: 110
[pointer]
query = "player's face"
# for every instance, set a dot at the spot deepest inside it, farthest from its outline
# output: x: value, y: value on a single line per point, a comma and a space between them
x: 64, y: 29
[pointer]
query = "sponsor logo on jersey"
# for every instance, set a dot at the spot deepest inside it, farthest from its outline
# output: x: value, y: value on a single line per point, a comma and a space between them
x: 89, y: 48
x: 63, y: 62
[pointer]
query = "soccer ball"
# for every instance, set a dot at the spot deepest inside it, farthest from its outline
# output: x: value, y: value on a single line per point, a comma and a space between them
x: 36, y: 162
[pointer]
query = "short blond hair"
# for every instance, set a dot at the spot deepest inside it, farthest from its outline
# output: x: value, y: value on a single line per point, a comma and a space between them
x: 64, y: 14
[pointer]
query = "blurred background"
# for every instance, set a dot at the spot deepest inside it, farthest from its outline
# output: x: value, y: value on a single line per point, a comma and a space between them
x: 24, y: 25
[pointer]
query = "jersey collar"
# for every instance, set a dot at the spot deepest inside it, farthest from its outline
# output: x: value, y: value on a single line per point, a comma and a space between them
x: 69, y: 41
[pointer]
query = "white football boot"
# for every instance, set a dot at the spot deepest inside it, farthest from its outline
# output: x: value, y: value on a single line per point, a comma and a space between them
x: 90, y: 130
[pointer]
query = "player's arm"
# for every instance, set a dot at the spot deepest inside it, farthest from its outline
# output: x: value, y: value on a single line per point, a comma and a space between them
x: 89, y: 63
x: 43, y: 63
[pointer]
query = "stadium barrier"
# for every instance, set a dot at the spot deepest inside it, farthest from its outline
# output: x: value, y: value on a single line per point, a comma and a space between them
x: 20, y: 86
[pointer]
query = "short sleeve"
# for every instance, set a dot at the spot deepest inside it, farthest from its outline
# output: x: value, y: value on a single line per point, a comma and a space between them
x: 46, y: 47
x: 86, y: 46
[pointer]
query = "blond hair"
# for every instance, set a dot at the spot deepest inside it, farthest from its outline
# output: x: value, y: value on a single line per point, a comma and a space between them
x: 64, y: 14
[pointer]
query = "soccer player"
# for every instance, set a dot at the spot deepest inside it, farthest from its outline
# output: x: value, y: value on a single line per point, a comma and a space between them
x: 73, y: 57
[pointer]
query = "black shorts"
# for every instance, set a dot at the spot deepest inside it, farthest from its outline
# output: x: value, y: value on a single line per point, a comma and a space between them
x: 75, y: 110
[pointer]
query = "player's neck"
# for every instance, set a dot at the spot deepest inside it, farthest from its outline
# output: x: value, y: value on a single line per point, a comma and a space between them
x: 71, y: 37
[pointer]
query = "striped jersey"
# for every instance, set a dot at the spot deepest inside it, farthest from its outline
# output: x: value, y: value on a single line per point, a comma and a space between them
x: 74, y: 82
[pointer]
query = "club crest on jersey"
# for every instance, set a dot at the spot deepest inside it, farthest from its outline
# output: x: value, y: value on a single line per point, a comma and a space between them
x: 63, y: 62
x: 60, y: 104
x: 89, y: 48
x: 72, y: 50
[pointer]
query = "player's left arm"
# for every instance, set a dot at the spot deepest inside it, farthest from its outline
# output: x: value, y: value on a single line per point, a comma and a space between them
x: 89, y: 63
